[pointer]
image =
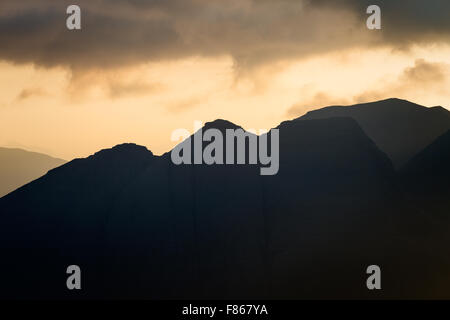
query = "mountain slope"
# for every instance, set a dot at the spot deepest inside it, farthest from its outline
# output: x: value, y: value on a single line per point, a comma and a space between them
x: 398, y: 127
x: 18, y: 167
x: 432, y: 164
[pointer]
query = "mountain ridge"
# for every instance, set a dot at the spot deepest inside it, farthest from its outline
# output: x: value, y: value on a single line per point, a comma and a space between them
x: 399, y: 127
x: 198, y: 228
x: 166, y: 231
x: 19, y: 167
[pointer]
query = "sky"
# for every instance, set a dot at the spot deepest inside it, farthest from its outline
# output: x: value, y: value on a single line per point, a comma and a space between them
x: 138, y: 70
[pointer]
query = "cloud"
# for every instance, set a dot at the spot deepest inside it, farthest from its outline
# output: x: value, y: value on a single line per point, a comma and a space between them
x: 119, y: 89
x: 125, y: 32
x: 424, y: 73
x: 424, y: 76
x: 404, y: 22
x: 30, y: 92
x: 112, y: 84
x: 253, y: 32
x: 185, y: 104
x: 318, y: 100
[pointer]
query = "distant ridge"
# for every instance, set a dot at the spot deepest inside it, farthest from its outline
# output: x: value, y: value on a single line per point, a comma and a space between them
x: 399, y: 127
x: 18, y: 167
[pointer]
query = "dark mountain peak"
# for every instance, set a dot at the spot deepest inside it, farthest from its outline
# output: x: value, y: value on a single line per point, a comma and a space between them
x: 399, y: 128
x: 124, y: 149
x: 125, y: 154
x: 391, y: 105
x: 220, y: 124
x: 122, y: 158
x: 441, y: 110
x: 392, y: 100
x: 342, y: 121
x: 396, y: 101
x: 104, y: 173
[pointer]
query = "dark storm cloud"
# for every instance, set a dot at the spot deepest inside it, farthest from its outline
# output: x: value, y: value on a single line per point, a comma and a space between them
x: 404, y: 21
x: 120, y: 32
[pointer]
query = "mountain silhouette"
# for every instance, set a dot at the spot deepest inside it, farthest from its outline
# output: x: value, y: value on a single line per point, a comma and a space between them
x: 18, y: 167
x: 142, y: 227
x: 63, y: 214
x: 399, y: 128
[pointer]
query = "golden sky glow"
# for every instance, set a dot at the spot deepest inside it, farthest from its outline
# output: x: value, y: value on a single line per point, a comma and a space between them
x: 72, y: 111
x: 65, y: 115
